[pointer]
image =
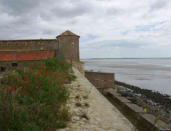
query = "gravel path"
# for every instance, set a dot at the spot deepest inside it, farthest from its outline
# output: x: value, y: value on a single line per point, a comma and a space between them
x: 91, y: 111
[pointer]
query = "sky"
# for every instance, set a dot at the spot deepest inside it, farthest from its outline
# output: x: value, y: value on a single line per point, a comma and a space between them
x: 107, y: 28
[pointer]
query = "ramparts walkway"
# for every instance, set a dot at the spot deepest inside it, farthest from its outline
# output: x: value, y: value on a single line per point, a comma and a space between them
x: 91, y: 111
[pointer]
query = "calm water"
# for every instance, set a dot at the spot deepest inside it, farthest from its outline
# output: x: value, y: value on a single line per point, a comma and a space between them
x: 153, y: 74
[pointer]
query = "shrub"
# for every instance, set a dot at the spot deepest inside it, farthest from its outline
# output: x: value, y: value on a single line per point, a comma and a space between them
x: 34, y: 97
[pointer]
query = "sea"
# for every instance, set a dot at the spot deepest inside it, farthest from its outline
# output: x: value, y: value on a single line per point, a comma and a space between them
x: 152, y: 74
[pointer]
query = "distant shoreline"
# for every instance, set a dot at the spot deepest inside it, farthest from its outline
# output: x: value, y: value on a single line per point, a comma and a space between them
x: 126, y: 58
x: 154, y: 74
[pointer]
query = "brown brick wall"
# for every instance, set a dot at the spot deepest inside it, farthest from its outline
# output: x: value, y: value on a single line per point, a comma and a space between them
x: 19, y: 45
x: 66, y: 49
x: 17, y: 50
x: 98, y: 79
x: 25, y: 55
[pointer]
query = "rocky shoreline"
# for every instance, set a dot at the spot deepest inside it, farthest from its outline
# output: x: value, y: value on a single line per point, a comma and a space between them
x: 154, y: 102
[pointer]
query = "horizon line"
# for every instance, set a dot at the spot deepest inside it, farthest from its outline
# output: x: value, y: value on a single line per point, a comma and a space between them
x: 133, y: 58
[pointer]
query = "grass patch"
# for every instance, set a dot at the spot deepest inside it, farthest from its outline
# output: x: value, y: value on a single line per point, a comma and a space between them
x: 34, y: 97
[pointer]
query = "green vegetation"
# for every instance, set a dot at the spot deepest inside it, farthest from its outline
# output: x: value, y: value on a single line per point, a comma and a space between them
x: 34, y: 97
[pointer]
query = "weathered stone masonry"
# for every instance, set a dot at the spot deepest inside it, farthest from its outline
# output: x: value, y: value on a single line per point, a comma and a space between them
x: 25, y: 55
x: 15, y: 51
x: 100, y: 79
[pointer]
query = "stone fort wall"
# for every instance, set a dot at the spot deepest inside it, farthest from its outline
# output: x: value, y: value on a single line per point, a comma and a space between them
x: 100, y: 80
x: 68, y: 50
x: 15, y: 51
x: 21, y: 50
x: 25, y: 55
x: 28, y: 45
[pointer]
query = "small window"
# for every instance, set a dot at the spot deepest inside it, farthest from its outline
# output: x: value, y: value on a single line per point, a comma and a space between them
x: 14, y: 64
x: 3, y: 69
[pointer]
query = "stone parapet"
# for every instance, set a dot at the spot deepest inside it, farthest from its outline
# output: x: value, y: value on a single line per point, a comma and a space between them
x: 142, y: 120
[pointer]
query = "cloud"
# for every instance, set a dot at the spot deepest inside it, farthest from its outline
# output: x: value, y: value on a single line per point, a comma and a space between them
x: 70, y: 11
x: 159, y: 4
x: 108, y: 28
x: 117, y: 43
x: 114, y: 11
x: 18, y: 7
x: 149, y: 27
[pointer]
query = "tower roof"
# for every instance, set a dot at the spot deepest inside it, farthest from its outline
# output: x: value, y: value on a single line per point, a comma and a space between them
x: 68, y: 33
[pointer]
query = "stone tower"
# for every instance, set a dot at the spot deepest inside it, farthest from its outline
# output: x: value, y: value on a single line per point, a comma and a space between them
x: 68, y: 45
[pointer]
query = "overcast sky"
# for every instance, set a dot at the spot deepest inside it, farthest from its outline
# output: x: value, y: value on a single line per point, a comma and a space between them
x: 108, y: 28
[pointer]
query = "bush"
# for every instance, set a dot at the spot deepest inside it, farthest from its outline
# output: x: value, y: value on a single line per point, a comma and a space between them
x: 34, y: 97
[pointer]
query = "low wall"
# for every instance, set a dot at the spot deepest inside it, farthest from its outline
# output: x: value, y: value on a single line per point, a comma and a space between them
x: 100, y: 80
x: 77, y: 64
x: 142, y: 120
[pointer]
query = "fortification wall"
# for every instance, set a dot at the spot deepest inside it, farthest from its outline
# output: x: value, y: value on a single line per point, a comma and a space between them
x: 14, y: 51
x: 25, y: 55
x: 142, y: 120
x: 28, y: 45
x: 77, y: 64
x: 99, y: 115
x: 100, y: 80
x: 22, y: 50
x: 69, y: 47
